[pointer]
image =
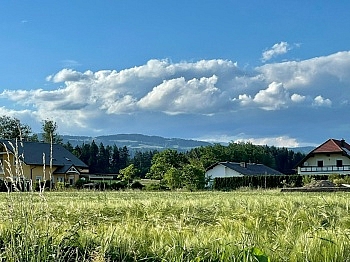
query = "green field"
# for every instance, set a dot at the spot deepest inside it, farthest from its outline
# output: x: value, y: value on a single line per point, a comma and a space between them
x: 175, y: 226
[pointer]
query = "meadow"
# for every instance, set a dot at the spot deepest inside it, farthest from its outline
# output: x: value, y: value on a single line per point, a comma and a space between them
x: 244, y: 225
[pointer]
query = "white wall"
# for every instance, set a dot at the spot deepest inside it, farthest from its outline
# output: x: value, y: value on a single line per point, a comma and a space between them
x: 221, y: 171
x: 327, y: 160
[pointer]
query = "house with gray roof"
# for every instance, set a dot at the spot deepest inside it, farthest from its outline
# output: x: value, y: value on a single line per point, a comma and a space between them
x: 233, y: 169
x: 36, y: 161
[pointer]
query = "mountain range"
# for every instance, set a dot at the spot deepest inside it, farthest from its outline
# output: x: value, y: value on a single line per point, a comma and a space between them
x: 137, y: 142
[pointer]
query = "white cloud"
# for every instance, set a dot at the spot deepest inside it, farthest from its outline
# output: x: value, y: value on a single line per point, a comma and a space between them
x: 181, y: 96
x: 320, y: 101
x: 66, y: 75
x: 280, y: 141
x: 324, y: 71
x: 273, y: 97
x: 297, y: 98
x: 277, y: 49
x: 218, y: 92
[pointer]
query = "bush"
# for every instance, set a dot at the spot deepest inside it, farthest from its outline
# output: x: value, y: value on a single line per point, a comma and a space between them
x: 81, y: 182
x: 231, y: 183
x: 156, y: 187
x: 137, y: 185
x: 120, y: 185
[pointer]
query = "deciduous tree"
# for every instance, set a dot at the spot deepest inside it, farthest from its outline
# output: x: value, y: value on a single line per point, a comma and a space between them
x: 12, y: 128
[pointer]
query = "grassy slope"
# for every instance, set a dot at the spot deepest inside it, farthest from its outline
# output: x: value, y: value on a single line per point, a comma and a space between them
x: 175, y: 226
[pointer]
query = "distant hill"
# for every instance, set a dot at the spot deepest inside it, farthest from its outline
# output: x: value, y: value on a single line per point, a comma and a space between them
x: 137, y: 142
x: 304, y: 150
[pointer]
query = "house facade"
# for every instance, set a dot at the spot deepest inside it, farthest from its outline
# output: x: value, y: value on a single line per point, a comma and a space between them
x: 36, y: 161
x: 331, y: 157
x: 233, y: 169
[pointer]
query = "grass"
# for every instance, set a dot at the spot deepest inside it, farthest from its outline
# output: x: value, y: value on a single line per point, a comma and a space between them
x: 174, y: 226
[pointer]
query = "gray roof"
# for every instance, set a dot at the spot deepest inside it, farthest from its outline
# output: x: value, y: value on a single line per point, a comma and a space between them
x: 33, y: 154
x: 250, y: 169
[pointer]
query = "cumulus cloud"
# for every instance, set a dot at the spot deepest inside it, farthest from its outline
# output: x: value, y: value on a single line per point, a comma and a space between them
x: 181, y: 96
x: 273, y: 97
x: 320, y: 101
x: 218, y: 92
x: 279, y: 141
x: 276, y: 50
x: 297, y: 98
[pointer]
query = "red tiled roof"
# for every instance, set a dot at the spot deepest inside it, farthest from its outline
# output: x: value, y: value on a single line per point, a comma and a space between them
x: 332, y: 146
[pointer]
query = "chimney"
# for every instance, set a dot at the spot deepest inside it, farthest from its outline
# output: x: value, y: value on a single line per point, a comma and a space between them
x: 243, y: 164
x: 342, y: 142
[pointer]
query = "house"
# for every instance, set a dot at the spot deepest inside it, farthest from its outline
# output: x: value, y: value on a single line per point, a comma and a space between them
x: 331, y: 157
x: 36, y: 162
x: 233, y: 169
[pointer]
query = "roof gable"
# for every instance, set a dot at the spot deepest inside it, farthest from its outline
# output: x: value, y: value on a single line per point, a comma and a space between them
x: 332, y: 146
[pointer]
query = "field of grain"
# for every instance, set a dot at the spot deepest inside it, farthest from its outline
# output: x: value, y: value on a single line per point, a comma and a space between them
x: 175, y: 226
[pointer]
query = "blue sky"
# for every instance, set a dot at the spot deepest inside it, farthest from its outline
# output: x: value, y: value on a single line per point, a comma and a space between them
x: 269, y: 72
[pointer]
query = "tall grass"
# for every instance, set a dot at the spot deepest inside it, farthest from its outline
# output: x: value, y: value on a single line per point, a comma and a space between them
x: 172, y: 226
x: 177, y: 226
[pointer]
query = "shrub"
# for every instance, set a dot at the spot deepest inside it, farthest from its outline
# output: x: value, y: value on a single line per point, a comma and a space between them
x: 137, y: 185
x: 120, y: 185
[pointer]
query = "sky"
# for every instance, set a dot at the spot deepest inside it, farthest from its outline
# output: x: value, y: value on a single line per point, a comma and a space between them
x: 268, y: 72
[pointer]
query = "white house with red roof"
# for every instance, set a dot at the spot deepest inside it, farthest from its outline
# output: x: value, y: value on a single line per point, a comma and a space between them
x: 331, y: 157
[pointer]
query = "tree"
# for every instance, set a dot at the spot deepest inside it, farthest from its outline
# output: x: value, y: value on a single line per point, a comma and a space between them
x: 69, y: 146
x: 12, y: 128
x: 93, y: 154
x: 128, y: 174
x: 193, y: 177
x: 172, y: 177
x: 103, y: 159
x: 114, y: 166
x: 50, y: 134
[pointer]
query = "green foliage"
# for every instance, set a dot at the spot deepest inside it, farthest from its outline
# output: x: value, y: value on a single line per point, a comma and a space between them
x: 173, y: 178
x: 120, y: 185
x: 193, y: 177
x: 137, y: 185
x: 50, y: 135
x: 128, y: 173
x: 12, y: 128
x: 79, y: 184
x: 254, y: 254
x: 231, y: 183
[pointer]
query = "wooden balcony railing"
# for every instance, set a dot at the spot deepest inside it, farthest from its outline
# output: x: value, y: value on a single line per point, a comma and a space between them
x: 327, y: 169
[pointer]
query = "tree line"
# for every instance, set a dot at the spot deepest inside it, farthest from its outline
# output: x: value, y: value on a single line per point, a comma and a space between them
x: 180, y: 169
x: 172, y: 168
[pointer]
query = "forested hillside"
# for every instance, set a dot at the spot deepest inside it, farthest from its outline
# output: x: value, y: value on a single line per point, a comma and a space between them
x: 110, y: 159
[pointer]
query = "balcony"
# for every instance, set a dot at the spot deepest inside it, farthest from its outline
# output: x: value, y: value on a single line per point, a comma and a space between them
x: 345, y: 169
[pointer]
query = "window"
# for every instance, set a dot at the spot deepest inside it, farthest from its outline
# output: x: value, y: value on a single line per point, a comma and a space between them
x: 339, y: 163
x: 320, y: 163
x: 60, y: 179
x: 38, y: 178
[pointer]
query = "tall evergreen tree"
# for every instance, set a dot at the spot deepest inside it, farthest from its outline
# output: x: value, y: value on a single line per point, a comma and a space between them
x: 93, y: 155
x: 50, y: 134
